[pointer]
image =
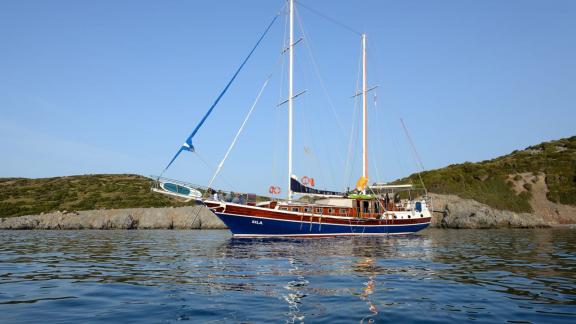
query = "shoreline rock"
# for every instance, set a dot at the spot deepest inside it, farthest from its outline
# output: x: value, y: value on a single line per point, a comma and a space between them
x: 454, y: 212
x: 196, y: 217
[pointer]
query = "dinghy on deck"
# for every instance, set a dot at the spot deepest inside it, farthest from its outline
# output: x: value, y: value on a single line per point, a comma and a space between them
x: 175, y: 188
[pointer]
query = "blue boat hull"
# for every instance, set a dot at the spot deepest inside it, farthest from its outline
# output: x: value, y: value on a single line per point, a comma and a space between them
x: 248, y: 226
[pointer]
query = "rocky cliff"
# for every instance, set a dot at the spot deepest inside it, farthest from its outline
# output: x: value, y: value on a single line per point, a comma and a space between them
x: 454, y: 212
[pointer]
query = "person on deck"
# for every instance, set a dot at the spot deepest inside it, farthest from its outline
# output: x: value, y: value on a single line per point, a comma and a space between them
x: 386, y: 201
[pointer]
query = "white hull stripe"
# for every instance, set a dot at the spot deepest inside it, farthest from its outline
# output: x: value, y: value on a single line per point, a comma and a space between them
x: 304, y: 235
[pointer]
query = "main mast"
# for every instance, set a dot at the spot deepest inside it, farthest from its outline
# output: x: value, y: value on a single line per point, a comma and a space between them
x: 290, y: 80
x: 364, y: 113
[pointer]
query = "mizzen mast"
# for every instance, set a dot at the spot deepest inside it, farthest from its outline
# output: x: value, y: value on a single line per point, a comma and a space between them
x: 364, y: 113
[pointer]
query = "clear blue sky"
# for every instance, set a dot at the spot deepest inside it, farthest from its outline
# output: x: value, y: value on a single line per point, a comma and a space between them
x: 116, y: 86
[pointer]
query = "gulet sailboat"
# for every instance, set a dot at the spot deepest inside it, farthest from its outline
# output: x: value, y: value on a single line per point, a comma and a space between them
x: 376, y: 209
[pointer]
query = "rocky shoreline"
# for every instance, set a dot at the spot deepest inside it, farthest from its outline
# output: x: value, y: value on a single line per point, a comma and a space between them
x: 449, y: 212
x: 197, y: 217
x: 454, y: 212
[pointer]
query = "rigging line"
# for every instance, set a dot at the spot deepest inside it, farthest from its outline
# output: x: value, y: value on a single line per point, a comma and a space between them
x: 239, y: 131
x: 419, y: 161
x: 395, y: 143
x: 209, y: 166
x: 318, y: 75
x: 324, y: 89
x: 389, y: 126
x: 412, y: 145
x: 350, y: 161
x: 380, y: 115
x: 326, y: 170
x: 282, y: 72
x: 330, y: 172
x: 378, y: 140
x: 219, y: 168
x: 277, y: 111
x: 334, y: 21
x: 187, y: 146
x: 353, y: 147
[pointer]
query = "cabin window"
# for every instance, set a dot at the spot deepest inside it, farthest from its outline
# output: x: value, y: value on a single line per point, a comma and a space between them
x: 318, y: 210
x: 330, y: 210
x: 343, y: 211
x: 307, y: 209
x: 377, y: 207
x: 365, y: 205
x: 295, y: 209
x: 283, y: 208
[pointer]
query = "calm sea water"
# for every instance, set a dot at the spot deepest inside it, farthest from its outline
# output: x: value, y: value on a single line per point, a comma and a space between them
x: 206, y: 276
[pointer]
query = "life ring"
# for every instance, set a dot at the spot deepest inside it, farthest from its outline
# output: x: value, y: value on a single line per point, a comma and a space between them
x: 274, y: 190
x: 305, y: 180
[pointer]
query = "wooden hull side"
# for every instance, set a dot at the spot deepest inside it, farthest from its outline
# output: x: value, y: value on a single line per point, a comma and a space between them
x: 247, y: 221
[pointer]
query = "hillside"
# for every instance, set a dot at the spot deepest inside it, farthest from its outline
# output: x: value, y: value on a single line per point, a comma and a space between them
x: 540, y: 178
x: 19, y: 196
x: 512, y: 182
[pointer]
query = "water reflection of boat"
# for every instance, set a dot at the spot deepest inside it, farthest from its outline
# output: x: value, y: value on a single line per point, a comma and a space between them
x: 295, y: 293
x: 299, y: 271
x: 369, y: 210
x: 366, y: 265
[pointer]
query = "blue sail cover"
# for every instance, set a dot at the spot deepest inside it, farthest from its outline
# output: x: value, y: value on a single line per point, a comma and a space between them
x: 188, y: 146
x: 298, y: 187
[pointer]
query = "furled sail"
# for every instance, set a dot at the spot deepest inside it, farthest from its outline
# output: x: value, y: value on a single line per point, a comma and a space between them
x: 297, y: 187
x: 361, y: 183
x: 188, y: 146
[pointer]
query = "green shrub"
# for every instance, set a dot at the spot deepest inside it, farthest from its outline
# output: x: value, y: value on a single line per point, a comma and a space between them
x: 76, y: 193
x: 469, y: 180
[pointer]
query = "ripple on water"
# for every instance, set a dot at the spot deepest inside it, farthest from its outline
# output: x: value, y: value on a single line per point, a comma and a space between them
x: 164, y: 276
